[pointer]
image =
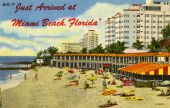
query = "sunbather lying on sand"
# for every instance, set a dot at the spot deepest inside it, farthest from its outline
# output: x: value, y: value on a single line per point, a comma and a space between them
x: 73, y: 83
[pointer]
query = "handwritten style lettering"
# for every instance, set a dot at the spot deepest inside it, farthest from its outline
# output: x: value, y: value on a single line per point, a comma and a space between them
x: 77, y: 22
x: 19, y: 23
x: 52, y: 7
x: 20, y: 7
x: 46, y: 22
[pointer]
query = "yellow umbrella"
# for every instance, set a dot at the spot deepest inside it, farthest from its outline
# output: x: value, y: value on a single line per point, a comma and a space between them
x: 92, y: 78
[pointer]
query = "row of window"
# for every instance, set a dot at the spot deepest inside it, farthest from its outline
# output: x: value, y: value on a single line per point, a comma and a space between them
x: 104, y: 58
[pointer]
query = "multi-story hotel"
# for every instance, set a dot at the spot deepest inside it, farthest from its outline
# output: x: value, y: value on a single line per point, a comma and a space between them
x: 140, y: 22
x: 71, y: 47
x: 155, y: 65
x: 90, y: 40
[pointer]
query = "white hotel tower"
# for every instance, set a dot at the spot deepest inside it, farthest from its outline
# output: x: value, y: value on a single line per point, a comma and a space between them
x: 140, y: 22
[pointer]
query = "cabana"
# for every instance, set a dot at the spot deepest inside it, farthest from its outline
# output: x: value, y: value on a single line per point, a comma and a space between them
x: 147, y: 71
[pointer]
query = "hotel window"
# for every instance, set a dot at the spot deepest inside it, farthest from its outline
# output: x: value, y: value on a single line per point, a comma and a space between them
x: 88, y: 57
x: 126, y: 37
x: 126, y: 15
x: 159, y: 15
x: 138, y: 31
x: 159, y: 21
x: 154, y: 32
x: 153, y: 15
x: 126, y: 26
x: 159, y: 26
x: 58, y: 57
x: 147, y: 15
x: 71, y: 57
x: 126, y: 21
x: 126, y: 42
x: 84, y: 57
x: 67, y: 57
x: 146, y: 21
x: 126, y: 31
x: 154, y: 21
x: 63, y: 57
x: 92, y: 58
x: 99, y: 58
x: 147, y: 32
x: 153, y: 26
x: 167, y: 15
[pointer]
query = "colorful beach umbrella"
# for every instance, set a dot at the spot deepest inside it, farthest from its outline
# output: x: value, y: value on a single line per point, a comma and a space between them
x: 71, y: 71
x: 92, y: 78
x: 72, y: 77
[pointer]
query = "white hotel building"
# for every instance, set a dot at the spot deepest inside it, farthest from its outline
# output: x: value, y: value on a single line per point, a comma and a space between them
x: 90, y: 40
x: 139, y: 22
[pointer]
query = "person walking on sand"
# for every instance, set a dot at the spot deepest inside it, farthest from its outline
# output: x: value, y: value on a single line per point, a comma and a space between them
x: 0, y: 98
x: 10, y: 76
x: 36, y: 76
x: 86, y: 85
x: 104, y: 83
x: 25, y: 76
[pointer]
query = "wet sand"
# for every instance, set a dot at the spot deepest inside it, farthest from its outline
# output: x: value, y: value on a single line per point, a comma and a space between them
x: 50, y: 93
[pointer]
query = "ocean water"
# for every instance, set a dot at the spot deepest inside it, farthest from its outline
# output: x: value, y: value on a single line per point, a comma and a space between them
x: 16, y: 74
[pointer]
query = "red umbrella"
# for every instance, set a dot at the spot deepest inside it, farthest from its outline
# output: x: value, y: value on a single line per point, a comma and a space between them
x: 71, y: 71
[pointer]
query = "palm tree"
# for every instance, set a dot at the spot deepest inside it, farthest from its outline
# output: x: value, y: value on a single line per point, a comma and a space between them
x: 120, y: 47
x: 99, y: 49
x: 84, y: 50
x: 52, y: 50
x: 154, y: 46
x: 166, y: 32
x: 138, y: 45
x: 110, y: 49
x: 40, y: 55
x: 92, y: 51
x: 167, y: 48
x: 117, y: 48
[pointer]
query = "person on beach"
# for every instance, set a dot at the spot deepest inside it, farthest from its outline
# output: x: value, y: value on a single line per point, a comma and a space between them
x: 36, y: 76
x: 104, y: 83
x: 10, y: 76
x: 86, y: 85
x: 25, y: 76
x: 0, y: 98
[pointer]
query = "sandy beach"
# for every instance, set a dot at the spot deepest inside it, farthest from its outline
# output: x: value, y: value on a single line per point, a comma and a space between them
x: 50, y: 93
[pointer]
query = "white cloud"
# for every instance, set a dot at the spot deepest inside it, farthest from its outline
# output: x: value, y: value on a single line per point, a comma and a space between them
x: 11, y: 52
x: 16, y: 42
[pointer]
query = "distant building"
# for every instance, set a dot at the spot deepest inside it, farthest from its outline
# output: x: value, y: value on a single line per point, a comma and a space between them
x: 90, y: 40
x: 71, y: 47
x: 39, y: 61
x: 140, y: 22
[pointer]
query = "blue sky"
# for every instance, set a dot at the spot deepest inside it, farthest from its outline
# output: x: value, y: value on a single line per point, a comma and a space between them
x: 28, y: 40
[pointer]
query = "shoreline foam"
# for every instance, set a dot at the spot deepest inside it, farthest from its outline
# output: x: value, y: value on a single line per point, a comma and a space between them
x: 17, y: 79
